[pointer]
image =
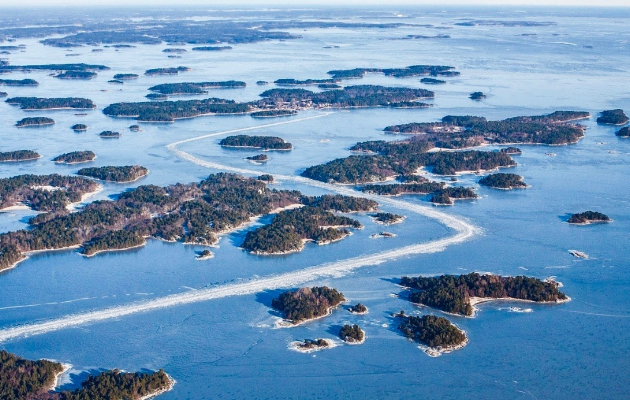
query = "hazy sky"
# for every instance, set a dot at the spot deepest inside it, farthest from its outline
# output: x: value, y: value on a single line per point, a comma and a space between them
x: 301, y: 3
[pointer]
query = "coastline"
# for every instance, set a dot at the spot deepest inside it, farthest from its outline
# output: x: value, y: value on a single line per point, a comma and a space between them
x: 84, y: 197
x: 295, y: 346
x: 58, y: 375
x: 170, y: 386
x: 438, y: 351
x: 285, y: 323
x: 106, y: 250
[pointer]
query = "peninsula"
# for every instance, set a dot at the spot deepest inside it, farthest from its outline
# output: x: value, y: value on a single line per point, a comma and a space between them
x: 194, y: 87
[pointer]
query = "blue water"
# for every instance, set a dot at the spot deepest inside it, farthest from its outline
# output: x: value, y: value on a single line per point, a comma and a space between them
x: 227, y: 348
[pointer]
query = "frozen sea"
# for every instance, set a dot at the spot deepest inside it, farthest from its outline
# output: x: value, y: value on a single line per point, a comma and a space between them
x: 228, y: 347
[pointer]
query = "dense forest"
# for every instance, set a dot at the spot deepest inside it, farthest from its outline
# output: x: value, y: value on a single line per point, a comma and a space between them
x: 19, y: 155
x: 452, y: 293
x: 122, y: 174
x: 503, y: 181
x: 191, y: 213
x: 405, y: 188
x: 124, y: 77
x: 350, y: 96
x: 613, y: 117
x: 76, y: 75
x: 166, y: 71
x: 79, y: 127
x: 37, y: 103
x: 457, y: 132
x: 32, y: 190
x: 358, y: 309
x: 257, y: 142
x: 194, y: 87
x: 273, y: 113
x: 432, y: 81
x: 109, y: 134
x: 432, y: 331
x: 588, y: 217
x: 511, y: 150
x: 387, y: 218
x: 52, y: 67
x: 19, y: 82
x: 351, y: 334
x: 307, y: 303
x: 34, y: 121
x: 258, y: 158
x: 289, y: 229
x: 75, y: 157
x: 623, y: 132
x: 168, y: 111
x: 448, y: 194
x: 22, y: 379
x: 403, y: 158
x: 414, y: 70
x: 116, y: 240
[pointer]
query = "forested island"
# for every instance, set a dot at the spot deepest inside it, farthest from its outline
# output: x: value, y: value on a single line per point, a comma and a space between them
x: 613, y: 117
x: 290, y: 229
x: 76, y: 75
x: 352, y: 334
x: 125, y: 77
x: 212, y: 48
x: 404, y: 188
x: 75, y: 157
x: 306, y: 82
x: 623, y: 132
x: 205, y: 255
x: 387, y: 218
x: 166, y: 71
x: 194, y: 213
x: 453, y: 294
x: 33, y: 380
x: 503, y: 181
x: 273, y: 113
x: 169, y: 111
x: 258, y: 158
x: 477, y: 96
x: 34, y: 121
x: 588, y: 217
x: 125, y: 174
x: 19, y: 82
x: 109, y: 134
x: 52, y: 67
x: 4, y: 94
x: 511, y: 150
x: 414, y: 70
x: 256, y: 142
x: 348, y: 97
x: 175, y: 50
x: 44, y: 192
x: 307, y: 303
x: 432, y: 81
x: 36, y: 103
x: 79, y: 127
x: 358, y: 309
x: 134, y: 128
x: 194, y: 87
x: 329, y: 86
x: 398, y: 158
x: 18, y: 155
x: 455, y: 132
x: 438, y: 333
x: 447, y: 195
x: 310, y: 345
x: 156, y: 96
